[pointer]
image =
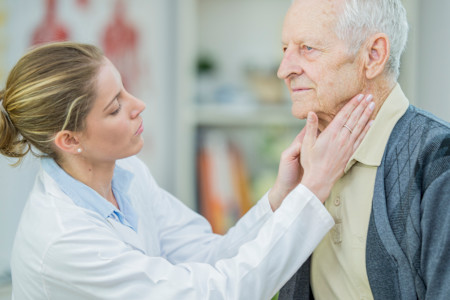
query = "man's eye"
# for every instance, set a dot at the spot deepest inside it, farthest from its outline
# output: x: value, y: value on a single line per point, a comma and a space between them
x: 308, y: 48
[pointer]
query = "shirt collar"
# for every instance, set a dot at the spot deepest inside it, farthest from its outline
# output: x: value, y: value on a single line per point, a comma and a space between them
x: 371, y: 150
x: 84, y: 196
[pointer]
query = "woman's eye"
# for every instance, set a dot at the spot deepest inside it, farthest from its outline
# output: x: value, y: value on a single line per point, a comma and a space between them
x: 117, y: 110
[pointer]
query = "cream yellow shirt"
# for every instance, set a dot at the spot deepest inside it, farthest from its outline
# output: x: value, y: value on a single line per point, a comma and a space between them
x: 338, y: 266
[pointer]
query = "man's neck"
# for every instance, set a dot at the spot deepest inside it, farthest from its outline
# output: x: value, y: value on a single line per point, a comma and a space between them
x: 380, y: 91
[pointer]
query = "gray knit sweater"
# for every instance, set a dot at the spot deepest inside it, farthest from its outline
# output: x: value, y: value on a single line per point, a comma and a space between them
x: 408, y: 240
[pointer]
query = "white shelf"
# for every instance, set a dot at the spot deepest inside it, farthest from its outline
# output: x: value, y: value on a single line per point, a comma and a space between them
x: 243, y: 115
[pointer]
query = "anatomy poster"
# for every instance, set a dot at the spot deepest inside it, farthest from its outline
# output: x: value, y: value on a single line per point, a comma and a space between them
x: 109, y: 24
x: 120, y: 41
x: 51, y: 28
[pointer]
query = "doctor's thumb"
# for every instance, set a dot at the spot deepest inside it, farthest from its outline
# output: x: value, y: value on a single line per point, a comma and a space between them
x: 312, y: 124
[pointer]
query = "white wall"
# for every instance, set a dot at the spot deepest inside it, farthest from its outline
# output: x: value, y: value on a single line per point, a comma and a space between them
x: 409, y: 62
x: 15, y: 185
x: 434, y: 59
x: 423, y: 76
x: 241, y: 33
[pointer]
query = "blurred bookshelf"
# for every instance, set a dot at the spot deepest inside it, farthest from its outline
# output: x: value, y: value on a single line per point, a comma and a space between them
x: 233, y: 114
x: 229, y: 107
x: 236, y: 163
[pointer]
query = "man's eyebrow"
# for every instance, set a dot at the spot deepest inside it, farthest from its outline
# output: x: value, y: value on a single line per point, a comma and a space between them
x: 109, y: 104
x: 306, y: 40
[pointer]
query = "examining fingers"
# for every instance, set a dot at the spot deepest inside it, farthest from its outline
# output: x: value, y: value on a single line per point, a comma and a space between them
x: 363, y: 120
x: 324, y: 157
x: 351, y: 122
x: 299, y: 138
x: 312, y: 125
x: 290, y: 172
x: 358, y: 119
x: 348, y: 128
x: 345, y: 113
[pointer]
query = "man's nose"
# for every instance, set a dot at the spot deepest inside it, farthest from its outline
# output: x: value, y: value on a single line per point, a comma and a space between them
x: 290, y: 64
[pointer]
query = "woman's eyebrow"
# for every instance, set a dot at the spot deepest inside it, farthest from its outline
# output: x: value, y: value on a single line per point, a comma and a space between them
x: 109, y: 104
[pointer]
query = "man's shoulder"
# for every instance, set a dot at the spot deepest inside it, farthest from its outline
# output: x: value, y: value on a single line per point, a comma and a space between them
x: 430, y: 121
x: 420, y: 126
x: 421, y: 141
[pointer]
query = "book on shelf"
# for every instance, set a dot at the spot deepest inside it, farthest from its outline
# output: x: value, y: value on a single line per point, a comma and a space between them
x: 223, y: 182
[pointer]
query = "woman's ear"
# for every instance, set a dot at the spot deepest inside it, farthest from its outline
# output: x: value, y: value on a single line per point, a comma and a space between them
x: 67, y: 142
x: 377, y: 55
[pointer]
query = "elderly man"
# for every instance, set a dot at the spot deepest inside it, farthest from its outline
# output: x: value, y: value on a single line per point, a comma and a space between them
x: 392, y: 207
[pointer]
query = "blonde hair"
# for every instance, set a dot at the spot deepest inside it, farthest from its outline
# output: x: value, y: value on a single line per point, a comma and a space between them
x: 51, y: 88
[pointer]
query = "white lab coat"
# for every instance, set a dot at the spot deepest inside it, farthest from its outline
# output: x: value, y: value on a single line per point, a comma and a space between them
x: 63, y: 251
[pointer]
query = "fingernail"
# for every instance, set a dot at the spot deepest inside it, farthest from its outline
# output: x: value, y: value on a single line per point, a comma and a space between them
x: 370, y: 123
x: 360, y: 97
x: 372, y: 106
x: 369, y: 98
x: 310, y: 117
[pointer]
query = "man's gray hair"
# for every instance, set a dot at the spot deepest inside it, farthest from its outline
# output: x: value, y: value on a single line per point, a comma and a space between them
x: 362, y: 18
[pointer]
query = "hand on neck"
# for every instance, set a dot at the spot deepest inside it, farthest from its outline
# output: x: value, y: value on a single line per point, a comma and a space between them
x: 380, y: 90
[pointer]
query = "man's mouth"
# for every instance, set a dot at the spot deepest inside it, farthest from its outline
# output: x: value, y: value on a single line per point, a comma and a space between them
x: 300, y: 89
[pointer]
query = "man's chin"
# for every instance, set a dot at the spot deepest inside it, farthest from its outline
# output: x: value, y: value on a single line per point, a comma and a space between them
x: 299, y: 113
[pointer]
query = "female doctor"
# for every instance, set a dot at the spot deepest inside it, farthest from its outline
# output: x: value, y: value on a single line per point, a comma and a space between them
x: 96, y: 224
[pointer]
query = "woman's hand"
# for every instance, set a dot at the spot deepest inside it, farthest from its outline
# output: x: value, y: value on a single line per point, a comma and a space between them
x: 290, y: 172
x: 325, y: 156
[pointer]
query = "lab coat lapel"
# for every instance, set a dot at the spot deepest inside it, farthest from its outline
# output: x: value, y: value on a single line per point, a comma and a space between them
x: 127, y: 235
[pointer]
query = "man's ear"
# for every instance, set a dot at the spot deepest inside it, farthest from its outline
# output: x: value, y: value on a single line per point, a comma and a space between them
x: 67, y: 141
x: 377, y: 55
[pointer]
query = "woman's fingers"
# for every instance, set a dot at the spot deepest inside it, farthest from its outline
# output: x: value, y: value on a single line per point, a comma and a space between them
x: 312, y: 125
x: 345, y: 113
x: 324, y: 157
x: 299, y: 138
x: 356, y: 115
x: 362, y: 122
x: 290, y: 172
x: 293, y: 151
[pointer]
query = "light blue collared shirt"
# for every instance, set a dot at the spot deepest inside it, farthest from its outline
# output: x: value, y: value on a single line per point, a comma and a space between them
x: 86, y: 197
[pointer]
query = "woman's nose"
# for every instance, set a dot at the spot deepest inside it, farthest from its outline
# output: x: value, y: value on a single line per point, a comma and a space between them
x: 137, y: 108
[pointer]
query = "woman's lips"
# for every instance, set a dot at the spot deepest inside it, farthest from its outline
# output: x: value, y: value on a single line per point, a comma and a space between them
x: 140, y: 129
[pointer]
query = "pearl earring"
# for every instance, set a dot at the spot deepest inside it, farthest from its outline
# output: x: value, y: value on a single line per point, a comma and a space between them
x: 79, y: 150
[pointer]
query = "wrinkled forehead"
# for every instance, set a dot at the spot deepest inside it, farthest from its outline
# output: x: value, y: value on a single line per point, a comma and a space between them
x: 324, y: 5
x: 315, y: 11
x: 311, y: 17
